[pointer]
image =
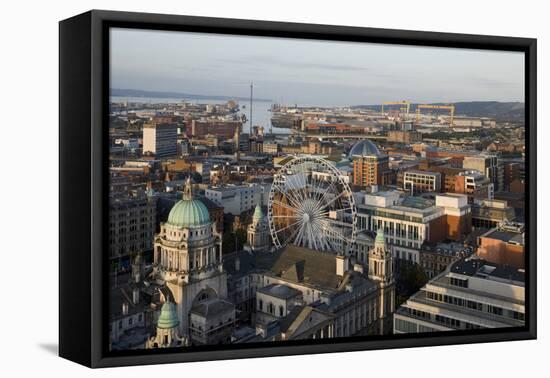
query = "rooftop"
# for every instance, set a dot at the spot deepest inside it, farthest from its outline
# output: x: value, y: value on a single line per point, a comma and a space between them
x: 506, y: 235
x: 364, y: 148
x: 279, y: 291
x: 483, y: 269
x: 212, y: 307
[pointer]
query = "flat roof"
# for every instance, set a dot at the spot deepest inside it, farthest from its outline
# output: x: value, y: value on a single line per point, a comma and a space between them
x: 505, y: 236
x: 280, y: 291
x: 482, y: 268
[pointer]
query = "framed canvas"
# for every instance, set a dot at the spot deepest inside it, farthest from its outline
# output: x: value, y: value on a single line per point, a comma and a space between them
x: 236, y: 188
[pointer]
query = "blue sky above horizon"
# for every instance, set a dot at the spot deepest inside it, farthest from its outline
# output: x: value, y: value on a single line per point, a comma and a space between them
x: 311, y: 72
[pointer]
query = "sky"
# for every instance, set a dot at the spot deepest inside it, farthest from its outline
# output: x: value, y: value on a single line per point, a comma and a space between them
x: 306, y: 72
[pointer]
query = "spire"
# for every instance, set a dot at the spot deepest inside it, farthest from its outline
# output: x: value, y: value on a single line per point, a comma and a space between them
x: 188, y: 190
x: 380, y: 237
x: 258, y: 213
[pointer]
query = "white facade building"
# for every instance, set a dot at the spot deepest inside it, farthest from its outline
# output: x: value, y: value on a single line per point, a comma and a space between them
x: 470, y: 294
x: 236, y: 199
x: 160, y: 139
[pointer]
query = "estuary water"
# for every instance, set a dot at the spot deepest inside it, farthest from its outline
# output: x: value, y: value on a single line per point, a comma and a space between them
x: 261, y: 114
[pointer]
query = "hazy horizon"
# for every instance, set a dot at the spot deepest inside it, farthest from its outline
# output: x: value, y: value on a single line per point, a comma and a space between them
x: 310, y: 72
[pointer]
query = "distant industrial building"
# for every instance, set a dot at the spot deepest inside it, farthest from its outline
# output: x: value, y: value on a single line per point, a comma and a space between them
x: 219, y: 128
x: 270, y: 148
x: 406, y: 137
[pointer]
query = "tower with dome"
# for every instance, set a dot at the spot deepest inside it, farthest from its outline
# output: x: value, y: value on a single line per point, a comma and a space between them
x: 188, y: 262
x: 258, y: 236
x: 167, y: 334
x: 380, y: 268
x: 370, y: 166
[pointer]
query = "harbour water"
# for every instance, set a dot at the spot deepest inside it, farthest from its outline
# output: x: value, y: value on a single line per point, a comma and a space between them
x: 261, y: 110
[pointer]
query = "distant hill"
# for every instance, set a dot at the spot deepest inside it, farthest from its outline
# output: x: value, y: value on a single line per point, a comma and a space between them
x: 501, y: 111
x: 159, y: 94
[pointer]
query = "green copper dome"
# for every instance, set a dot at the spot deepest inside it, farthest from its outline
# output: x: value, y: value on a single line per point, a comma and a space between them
x: 380, y: 238
x: 189, y: 212
x: 258, y: 213
x: 168, y: 316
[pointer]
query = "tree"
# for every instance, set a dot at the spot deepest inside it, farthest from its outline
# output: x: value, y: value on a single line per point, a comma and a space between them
x: 230, y: 238
x: 410, y: 279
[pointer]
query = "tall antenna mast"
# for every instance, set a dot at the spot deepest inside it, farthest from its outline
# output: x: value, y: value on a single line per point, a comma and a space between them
x: 251, y: 94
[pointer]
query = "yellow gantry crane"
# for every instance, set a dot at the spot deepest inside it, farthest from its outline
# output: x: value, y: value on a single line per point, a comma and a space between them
x: 450, y: 108
x: 406, y: 108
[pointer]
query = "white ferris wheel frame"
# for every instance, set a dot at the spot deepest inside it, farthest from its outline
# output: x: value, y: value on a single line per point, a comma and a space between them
x: 315, y: 206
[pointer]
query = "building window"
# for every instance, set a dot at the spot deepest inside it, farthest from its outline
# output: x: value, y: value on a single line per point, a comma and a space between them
x: 460, y: 282
x: 494, y: 310
x: 405, y: 326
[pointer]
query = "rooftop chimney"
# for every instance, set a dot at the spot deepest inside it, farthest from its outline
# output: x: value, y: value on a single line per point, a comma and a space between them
x: 341, y: 265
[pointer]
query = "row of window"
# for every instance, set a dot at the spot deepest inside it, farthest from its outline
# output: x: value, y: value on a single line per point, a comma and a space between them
x: 460, y: 282
x: 473, y: 305
x: 270, y: 308
x: 129, y: 321
x: 447, y: 321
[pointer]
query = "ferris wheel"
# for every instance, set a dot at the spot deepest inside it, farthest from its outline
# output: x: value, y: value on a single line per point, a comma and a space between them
x: 311, y: 205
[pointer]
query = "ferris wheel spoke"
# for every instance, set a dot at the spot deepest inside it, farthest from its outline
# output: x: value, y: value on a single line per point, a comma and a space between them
x: 327, y: 191
x: 330, y: 230
x: 289, y: 196
x: 334, y: 199
x: 284, y: 205
x: 301, y: 186
x: 287, y: 227
x: 296, y: 197
x: 320, y: 238
x: 319, y: 190
x: 299, y: 237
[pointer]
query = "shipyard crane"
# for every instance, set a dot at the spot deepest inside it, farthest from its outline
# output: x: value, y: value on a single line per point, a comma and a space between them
x: 450, y: 108
x: 407, y: 105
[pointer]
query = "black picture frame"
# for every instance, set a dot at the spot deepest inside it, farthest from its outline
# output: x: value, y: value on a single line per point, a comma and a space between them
x: 83, y: 104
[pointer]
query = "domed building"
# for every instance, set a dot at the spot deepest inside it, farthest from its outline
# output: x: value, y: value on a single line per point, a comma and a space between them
x: 381, y: 271
x: 363, y: 148
x: 167, y: 335
x: 370, y: 167
x: 258, y: 238
x: 188, y: 261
